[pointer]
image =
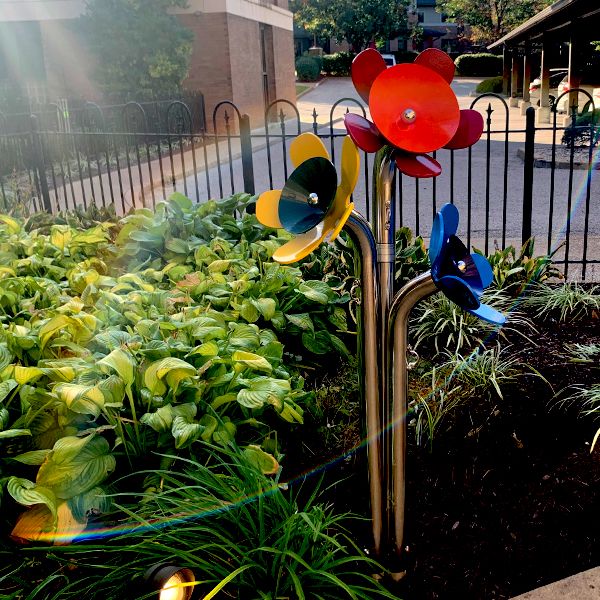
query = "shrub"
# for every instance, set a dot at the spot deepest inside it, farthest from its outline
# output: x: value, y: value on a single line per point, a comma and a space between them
x: 586, y: 127
x: 492, y: 85
x: 338, y: 64
x: 479, y: 65
x: 307, y: 68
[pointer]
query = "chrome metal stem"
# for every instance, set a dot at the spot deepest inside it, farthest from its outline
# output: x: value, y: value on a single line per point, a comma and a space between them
x: 368, y: 355
x: 384, y: 228
x: 415, y: 290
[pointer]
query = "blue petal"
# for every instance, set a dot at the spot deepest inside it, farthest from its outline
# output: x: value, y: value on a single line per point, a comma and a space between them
x: 458, y: 291
x: 450, y: 214
x: 485, y: 270
x: 436, y: 241
x: 489, y: 314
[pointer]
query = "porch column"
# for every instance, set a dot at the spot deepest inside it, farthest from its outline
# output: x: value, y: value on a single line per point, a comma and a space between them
x: 506, y: 66
x: 542, y: 114
x: 574, y: 73
x: 514, y: 79
x: 525, y: 103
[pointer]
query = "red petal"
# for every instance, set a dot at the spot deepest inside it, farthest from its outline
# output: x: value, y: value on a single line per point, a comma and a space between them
x: 417, y: 165
x: 363, y: 133
x: 469, y: 130
x: 365, y: 68
x: 438, y: 61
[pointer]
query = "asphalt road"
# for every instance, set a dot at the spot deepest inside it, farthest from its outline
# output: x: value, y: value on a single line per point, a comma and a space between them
x: 486, y: 180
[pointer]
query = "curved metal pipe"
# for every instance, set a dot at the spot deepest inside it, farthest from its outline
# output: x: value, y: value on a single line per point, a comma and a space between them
x: 368, y: 355
x: 415, y: 290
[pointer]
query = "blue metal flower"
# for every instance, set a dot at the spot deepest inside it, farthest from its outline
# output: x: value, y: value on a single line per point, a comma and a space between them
x: 461, y: 276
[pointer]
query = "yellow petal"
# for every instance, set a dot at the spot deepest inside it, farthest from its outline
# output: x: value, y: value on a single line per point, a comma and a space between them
x: 307, y: 145
x: 350, y: 165
x: 341, y: 222
x: 267, y: 209
x: 301, y: 246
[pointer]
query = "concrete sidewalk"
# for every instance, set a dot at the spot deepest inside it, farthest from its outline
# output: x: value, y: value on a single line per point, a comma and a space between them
x: 583, y: 586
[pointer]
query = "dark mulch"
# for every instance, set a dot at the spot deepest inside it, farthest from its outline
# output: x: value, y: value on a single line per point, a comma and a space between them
x: 509, y: 498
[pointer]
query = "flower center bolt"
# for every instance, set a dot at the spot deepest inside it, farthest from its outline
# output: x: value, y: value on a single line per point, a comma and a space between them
x: 313, y: 199
x: 409, y: 115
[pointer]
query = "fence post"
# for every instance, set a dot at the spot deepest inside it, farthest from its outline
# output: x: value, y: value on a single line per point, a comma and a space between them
x: 247, y: 163
x: 39, y: 167
x: 528, y: 163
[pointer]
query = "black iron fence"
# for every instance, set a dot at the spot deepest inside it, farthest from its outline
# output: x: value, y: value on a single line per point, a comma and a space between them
x: 520, y: 179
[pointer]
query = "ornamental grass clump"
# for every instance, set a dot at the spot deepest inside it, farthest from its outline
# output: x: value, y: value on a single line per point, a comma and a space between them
x: 565, y: 302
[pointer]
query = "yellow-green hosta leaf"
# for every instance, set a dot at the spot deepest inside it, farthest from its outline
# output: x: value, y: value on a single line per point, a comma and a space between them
x: 210, y: 425
x: 261, y: 460
x: 52, y: 327
x: 5, y: 417
x: 318, y: 291
x: 162, y: 419
x: 35, y: 457
x: 225, y: 433
x: 302, y: 321
x: 219, y: 266
x: 291, y: 412
x: 249, y: 312
x: 11, y: 433
x: 123, y: 363
x: 27, y: 493
x: 6, y: 357
x: 60, y: 236
x: 11, y: 224
x: 185, y: 431
x: 22, y: 375
x: 82, y: 399
x: 266, y: 307
x: 244, y: 336
x: 76, y: 465
x: 210, y: 349
x: 6, y: 387
x: 264, y: 390
x: 252, y: 361
x: 171, y: 369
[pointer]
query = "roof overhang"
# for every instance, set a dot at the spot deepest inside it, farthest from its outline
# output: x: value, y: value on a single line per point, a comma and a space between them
x: 557, y: 21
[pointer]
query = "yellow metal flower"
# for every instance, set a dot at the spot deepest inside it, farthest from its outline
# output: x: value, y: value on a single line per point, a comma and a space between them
x: 310, y: 204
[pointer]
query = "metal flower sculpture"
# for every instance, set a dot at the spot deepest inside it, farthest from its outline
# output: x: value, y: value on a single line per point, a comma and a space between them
x: 311, y: 203
x: 461, y: 276
x: 413, y: 109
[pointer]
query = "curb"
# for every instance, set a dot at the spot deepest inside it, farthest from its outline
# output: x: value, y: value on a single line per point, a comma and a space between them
x: 543, y: 163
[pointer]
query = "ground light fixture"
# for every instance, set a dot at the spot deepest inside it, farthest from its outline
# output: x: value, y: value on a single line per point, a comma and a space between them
x: 414, y: 112
x: 170, y: 582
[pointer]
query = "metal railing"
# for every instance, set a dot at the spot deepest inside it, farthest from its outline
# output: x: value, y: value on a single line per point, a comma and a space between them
x: 514, y: 183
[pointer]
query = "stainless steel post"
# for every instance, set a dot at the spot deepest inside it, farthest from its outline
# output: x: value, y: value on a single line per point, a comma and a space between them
x: 404, y: 301
x: 368, y: 356
x: 384, y: 229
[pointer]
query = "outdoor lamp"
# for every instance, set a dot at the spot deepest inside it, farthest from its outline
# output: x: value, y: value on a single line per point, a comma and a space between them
x: 413, y: 108
x: 170, y: 582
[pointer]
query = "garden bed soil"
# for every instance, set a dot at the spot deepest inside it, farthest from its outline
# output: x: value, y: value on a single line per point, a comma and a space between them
x: 508, y: 499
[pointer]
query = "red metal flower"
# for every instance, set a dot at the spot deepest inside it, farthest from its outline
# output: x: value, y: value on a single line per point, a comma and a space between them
x: 413, y: 108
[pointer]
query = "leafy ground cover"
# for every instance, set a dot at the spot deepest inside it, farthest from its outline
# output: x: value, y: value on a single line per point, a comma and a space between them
x: 161, y: 378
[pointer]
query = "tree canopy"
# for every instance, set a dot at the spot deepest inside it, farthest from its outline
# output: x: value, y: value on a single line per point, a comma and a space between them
x: 358, y: 21
x: 141, y: 50
x: 491, y: 19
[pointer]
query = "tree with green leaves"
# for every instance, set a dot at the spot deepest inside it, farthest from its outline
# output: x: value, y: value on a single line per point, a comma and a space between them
x: 141, y: 50
x: 491, y: 19
x: 360, y: 22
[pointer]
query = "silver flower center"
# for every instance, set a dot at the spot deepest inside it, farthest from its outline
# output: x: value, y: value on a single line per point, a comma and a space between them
x: 409, y: 115
x: 462, y: 266
x: 313, y: 199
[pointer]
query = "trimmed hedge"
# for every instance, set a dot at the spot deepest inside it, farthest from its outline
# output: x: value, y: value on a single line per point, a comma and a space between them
x: 307, y: 68
x: 405, y: 56
x: 338, y: 64
x: 479, y: 65
x: 492, y: 85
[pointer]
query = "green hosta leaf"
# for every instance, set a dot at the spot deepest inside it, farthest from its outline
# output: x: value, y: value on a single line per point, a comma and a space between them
x: 273, y: 352
x: 266, y: 307
x: 338, y: 319
x: 210, y: 425
x: 264, y: 390
x: 185, y: 431
x: 302, y: 321
x: 171, y: 369
x: 318, y: 291
x: 249, y: 311
x: 92, y: 502
x: 35, y: 457
x: 162, y: 419
x: 76, y: 465
x: 123, y: 363
x: 210, y: 349
x: 318, y: 343
x: 82, y: 399
x: 338, y: 345
x: 12, y: 433
x: 225, y: 433
x: 27, y: 493
x: 244, y: 336
x: 178, y: 246
x: 267, y: 336
x: 5, y: 416
x: 6, y: 387
x: 219, y: 266
x: 252, y: 361
x: 6, y: 357
x: 261, y: 460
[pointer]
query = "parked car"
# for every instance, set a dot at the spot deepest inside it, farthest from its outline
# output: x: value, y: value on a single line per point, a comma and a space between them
x: 592, y: 87
x: 556, y: 76
x: 390, y: 59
